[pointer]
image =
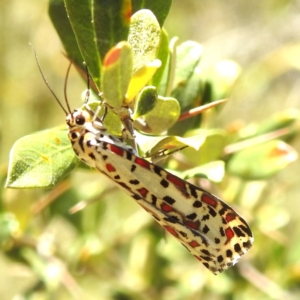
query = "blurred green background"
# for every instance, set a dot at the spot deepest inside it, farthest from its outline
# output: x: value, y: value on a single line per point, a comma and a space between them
x: 124, y: 255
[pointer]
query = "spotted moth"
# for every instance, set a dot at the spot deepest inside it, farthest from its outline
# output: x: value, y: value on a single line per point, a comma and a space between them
x: 210, y: 229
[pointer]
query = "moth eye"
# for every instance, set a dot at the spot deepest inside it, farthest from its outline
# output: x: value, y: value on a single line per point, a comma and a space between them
x: 80, y: 120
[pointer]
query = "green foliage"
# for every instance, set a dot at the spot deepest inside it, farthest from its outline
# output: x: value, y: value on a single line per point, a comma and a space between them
x: 41, y: 160
x: 262, y: 161
x: 111, y: 249
x: 117, y: 73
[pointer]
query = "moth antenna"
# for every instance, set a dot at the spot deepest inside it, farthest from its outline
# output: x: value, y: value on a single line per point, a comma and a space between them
x: 88, y: 82
x: 45, y: 80
x: 87, y: 95
x: 65, y: 86
x: 90, y: 79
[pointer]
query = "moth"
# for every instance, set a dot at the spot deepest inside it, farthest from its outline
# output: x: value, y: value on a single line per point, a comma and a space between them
x: 205, y: 225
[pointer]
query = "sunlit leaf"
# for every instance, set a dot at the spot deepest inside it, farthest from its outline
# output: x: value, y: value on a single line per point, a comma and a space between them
x: 213, y: 171
x: 211, y: 149
x: 279, y: 120
x: 163, y: 115
x: 145, y: 102
x: 159, y: 8
x: 144, y: 37
x: 163, y: 56
x: 262, y: 161
x: 117, y: 72
x: 140, y: 78
x: 40, y: 160
x: 166, y: 144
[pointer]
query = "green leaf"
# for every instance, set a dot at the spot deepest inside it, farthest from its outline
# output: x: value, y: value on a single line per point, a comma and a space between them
x: 144, y: 37
x: 163, y: 116
x: 111, y: 121
x: 59, y: 18
x: 140, y: 78
x: 112, y: 19
x: 145, y: 101
x: 187, y: 59
x: 188, y: 97
x: 159, y: 8
x: 211, y: 149
x: 81, y: 19
x: 162, y: 55
x: 152, y: 146
x: 167, y: 80
x: 214, y: 171
x: 219, y: 80
x: 279, y: 120
x: 262, y: 161
x: 117, y: 72
x: 40, y: 160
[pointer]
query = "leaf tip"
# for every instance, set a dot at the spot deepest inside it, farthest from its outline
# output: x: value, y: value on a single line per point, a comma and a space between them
x: 112, y: 56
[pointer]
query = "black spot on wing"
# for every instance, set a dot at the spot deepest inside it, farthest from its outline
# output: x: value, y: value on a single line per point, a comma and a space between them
x: 193, y: 190
x: 169, y: 200
x: 191, y: 216
x: 220, y: 258
x: 205, y: 229
x: 92, y: 156
x: 128, y: 155
x: 164, y: 183
x: 217, y: 241
x: 156, y: 169
x: 238, y: 232
x: 237, y: 248
x: 134, y: 182
x: 154, y: 199
x: 197, y: 204
x: 211, y: 211
x: 229, y: 253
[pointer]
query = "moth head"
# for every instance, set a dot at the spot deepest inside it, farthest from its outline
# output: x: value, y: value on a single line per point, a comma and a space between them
x: 78, y: 118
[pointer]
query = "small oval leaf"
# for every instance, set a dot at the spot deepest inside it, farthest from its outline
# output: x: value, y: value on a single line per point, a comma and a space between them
x: 188, y: 57
x: 145, y: 101
x: 163, y: 116
x: 173, y: 143
x: 140, y: 78
x: 117, y: 72
x: 262, y: 161
x: 40, y: 160
x: 144, y: 37
x: 162, y: 55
